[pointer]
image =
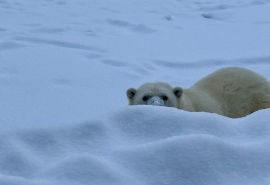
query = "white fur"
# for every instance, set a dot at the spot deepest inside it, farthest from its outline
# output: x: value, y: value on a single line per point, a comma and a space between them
x: 233, y: 92
x: 150, y: 90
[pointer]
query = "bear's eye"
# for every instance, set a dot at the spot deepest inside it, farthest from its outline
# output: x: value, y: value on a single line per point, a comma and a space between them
x: 164, y: 97
x: 145, y: 98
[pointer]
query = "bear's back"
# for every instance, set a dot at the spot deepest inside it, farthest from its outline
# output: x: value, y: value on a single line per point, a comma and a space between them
x: 234, y: 87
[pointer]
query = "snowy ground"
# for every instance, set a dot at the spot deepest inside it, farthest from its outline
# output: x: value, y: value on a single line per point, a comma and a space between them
x: 64, y: 70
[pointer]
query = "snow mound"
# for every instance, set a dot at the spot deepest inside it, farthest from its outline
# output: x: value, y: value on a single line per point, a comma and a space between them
x: 141, y: 145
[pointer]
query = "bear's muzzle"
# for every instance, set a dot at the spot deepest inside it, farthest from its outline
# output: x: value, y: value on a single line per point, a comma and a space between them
x: 156, y: 101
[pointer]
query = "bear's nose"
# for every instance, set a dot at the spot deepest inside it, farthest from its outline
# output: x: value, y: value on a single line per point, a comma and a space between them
x: 156, y: 101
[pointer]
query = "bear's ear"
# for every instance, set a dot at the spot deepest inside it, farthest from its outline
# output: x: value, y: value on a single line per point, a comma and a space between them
x: 131, y: 93
x: 178, y: 91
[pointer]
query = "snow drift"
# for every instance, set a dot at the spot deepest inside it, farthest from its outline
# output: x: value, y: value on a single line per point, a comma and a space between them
x: 142, y: 145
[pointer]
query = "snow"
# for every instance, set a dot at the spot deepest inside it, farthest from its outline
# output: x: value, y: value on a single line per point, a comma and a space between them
x: 64, y: 70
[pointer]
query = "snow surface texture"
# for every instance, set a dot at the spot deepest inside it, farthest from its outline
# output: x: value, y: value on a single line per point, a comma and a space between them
x: 64, y: 70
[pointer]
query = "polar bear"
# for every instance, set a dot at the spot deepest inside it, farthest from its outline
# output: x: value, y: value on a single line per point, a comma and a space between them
x: 233, y: 92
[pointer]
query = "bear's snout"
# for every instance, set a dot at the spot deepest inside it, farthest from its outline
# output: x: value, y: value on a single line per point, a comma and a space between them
x: 156, y: 101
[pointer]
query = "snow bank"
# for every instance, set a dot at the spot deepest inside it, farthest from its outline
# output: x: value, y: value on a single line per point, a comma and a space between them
x: 141, y: 145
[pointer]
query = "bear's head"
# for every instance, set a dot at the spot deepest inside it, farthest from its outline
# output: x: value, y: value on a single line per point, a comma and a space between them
x: 159, y: 94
